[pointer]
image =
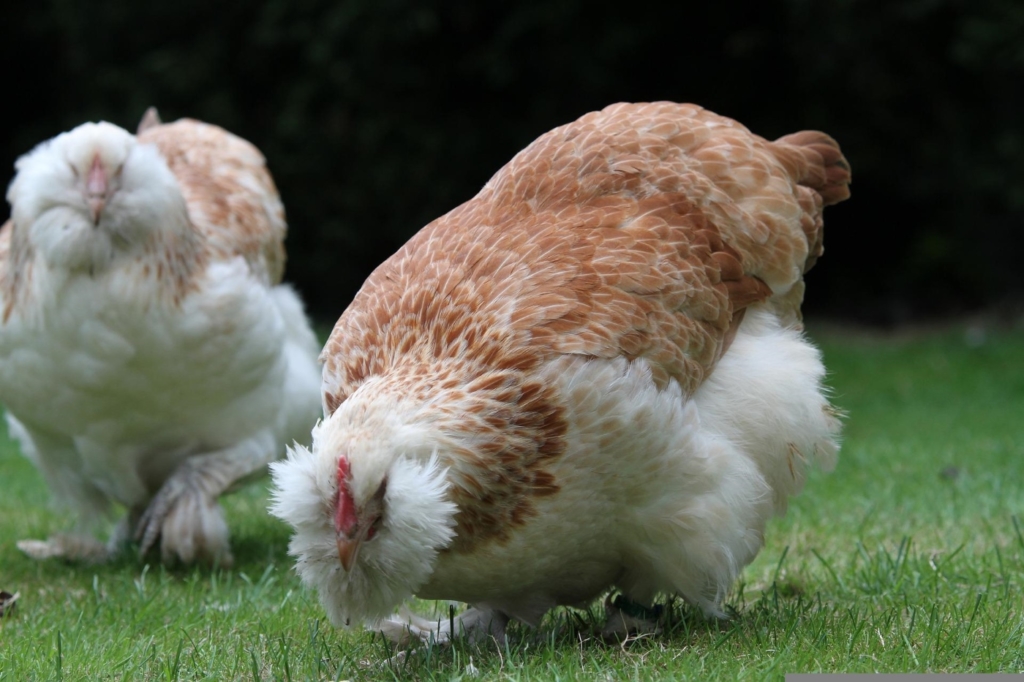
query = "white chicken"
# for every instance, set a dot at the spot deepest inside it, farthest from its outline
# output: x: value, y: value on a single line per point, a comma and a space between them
x: 149, y: 355
x: 590, y: 375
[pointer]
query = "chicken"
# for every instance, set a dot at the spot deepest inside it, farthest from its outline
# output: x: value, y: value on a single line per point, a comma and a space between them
x: 149, y: 355
x: 591, y: 375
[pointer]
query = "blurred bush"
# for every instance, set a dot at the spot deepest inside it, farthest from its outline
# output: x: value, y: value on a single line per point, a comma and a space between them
x: 378, y: 115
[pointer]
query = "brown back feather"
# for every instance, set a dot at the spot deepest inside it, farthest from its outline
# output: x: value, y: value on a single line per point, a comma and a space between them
x: 639, y: 230
x: 231, y: 197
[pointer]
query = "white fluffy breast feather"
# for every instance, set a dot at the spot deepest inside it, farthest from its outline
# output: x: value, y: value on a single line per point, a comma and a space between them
x: 392, y: 565
x: 139, y: 385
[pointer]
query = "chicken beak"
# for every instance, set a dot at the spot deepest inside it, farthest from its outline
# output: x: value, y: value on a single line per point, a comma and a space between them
x: 95, y: 209
x: 347, y: 551
x: 96, y: 187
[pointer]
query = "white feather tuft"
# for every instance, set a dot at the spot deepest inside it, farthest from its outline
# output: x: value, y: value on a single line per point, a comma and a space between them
x: 418, y: 522
x: 767, y: 395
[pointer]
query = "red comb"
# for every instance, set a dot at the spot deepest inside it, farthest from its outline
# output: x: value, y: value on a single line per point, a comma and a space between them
x: 345, y: 508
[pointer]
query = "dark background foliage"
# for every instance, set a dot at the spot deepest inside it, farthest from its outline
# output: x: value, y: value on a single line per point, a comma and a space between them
x: 377, y: 116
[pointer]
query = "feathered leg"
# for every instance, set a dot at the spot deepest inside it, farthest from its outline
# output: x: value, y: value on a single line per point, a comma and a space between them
x: 185, y: 515
x: 475, y: 624
x: 69, y: 546
x: 57, y: 459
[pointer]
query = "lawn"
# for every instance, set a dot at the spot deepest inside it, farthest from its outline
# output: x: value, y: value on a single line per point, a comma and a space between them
x: 908, y: 557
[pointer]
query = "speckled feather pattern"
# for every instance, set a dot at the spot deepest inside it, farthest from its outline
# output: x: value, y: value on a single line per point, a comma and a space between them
x: 642, y: 231
x: 231, y: 197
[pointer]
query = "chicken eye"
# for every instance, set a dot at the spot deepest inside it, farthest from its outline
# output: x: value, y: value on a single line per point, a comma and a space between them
x: 373, y: 528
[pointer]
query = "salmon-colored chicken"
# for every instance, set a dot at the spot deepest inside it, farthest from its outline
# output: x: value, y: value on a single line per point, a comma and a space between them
x: 589, y: 376
x: 149, y: 354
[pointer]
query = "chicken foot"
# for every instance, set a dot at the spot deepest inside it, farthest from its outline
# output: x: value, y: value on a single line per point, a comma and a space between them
x: 185, y: 515
x: 475, y: 624
x: 626, y: 618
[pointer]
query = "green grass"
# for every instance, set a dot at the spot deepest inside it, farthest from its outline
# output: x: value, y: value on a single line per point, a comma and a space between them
x: 908, y: 557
